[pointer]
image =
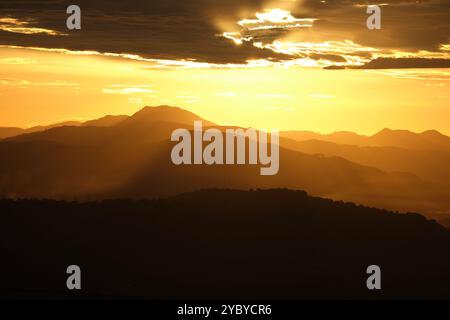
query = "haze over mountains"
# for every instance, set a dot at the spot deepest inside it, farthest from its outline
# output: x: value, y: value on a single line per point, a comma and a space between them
x: 121, y: 156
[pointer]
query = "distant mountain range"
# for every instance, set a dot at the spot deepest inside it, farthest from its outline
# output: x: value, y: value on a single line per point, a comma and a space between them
x: 129, y: 156
x: 169, y: 114
x: 427, y: 140
x: 6, y: 132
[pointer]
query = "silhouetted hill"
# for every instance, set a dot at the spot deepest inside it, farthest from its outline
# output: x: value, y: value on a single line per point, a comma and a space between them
x: 342, y: 137
x: 150, y: 115
x: 221, y: 244
x: 149, y: 124
x: 427, y: 140
x: 109, y: 120
x: 98, y: 163
x: 6, y: 132
x: 145, y: 116
x: 426, y: 164
x: 105, y: 121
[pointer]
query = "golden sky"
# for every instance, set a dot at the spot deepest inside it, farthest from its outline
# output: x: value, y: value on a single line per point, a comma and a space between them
x: 266, y: 68
x: 38, y: 87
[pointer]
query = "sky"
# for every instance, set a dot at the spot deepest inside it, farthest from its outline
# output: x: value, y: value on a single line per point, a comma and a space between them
x: 304, y: 65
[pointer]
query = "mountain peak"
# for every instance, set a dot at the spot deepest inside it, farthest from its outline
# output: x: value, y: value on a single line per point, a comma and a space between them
x: 433, y: 133
x: 387, y: 132
x: 165, y: 113
x: 163, y: 107
x: 106, y: 121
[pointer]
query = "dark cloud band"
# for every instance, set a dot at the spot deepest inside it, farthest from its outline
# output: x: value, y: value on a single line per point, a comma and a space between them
x: 174, y: 29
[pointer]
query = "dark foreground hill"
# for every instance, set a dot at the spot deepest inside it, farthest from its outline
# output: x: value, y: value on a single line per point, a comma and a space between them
x: 220, y: 244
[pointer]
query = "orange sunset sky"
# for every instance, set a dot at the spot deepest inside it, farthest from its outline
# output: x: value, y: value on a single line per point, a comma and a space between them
x: 264, y: 64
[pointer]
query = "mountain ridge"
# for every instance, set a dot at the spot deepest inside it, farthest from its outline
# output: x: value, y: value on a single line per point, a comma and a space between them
x: 163, y: 112
x: 426, y: 140
x: 132, y: 159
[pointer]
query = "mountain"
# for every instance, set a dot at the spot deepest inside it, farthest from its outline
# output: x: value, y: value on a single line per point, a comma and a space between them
x: 132, y: 160
x: 341, y: 137
x: 430, y: 140
x: 53, y: 125
x: 6, y: 132
x: 148, y: 125
x: 151, y: 115
x: 427, y: 140
x: 426, y: 164
x: 221, y: 244
x: 105, y: 121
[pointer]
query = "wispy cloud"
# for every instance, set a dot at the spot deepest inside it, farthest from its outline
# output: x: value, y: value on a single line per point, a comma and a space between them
x: 429, y: 75
x: 17, y: 60
x: 25, y: 27
x: 270, y: 19
x: 127, y: 89
x: 275, y: 19
x: 440, y: 84
x: 25, y: 83
x: 152, y: 63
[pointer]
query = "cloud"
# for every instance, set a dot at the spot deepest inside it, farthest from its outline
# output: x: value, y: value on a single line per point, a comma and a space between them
x: 163, y: 30
x: 127, y: 89
x: 275, y: 19
x: 400, y: 63
x: 269, y: 25
x: 338, y: 53
x: 25, y: 83
x: 17, y: 60
x: 213, y: 34
x: 440, y: 84
x: 335, y: 35
x: 429, y: 75
x: 25, y: 27
x: 153, y: 63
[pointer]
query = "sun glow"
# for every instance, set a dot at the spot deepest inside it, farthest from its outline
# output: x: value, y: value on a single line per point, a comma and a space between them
x: 275, y: 18
x: 268, y: 96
